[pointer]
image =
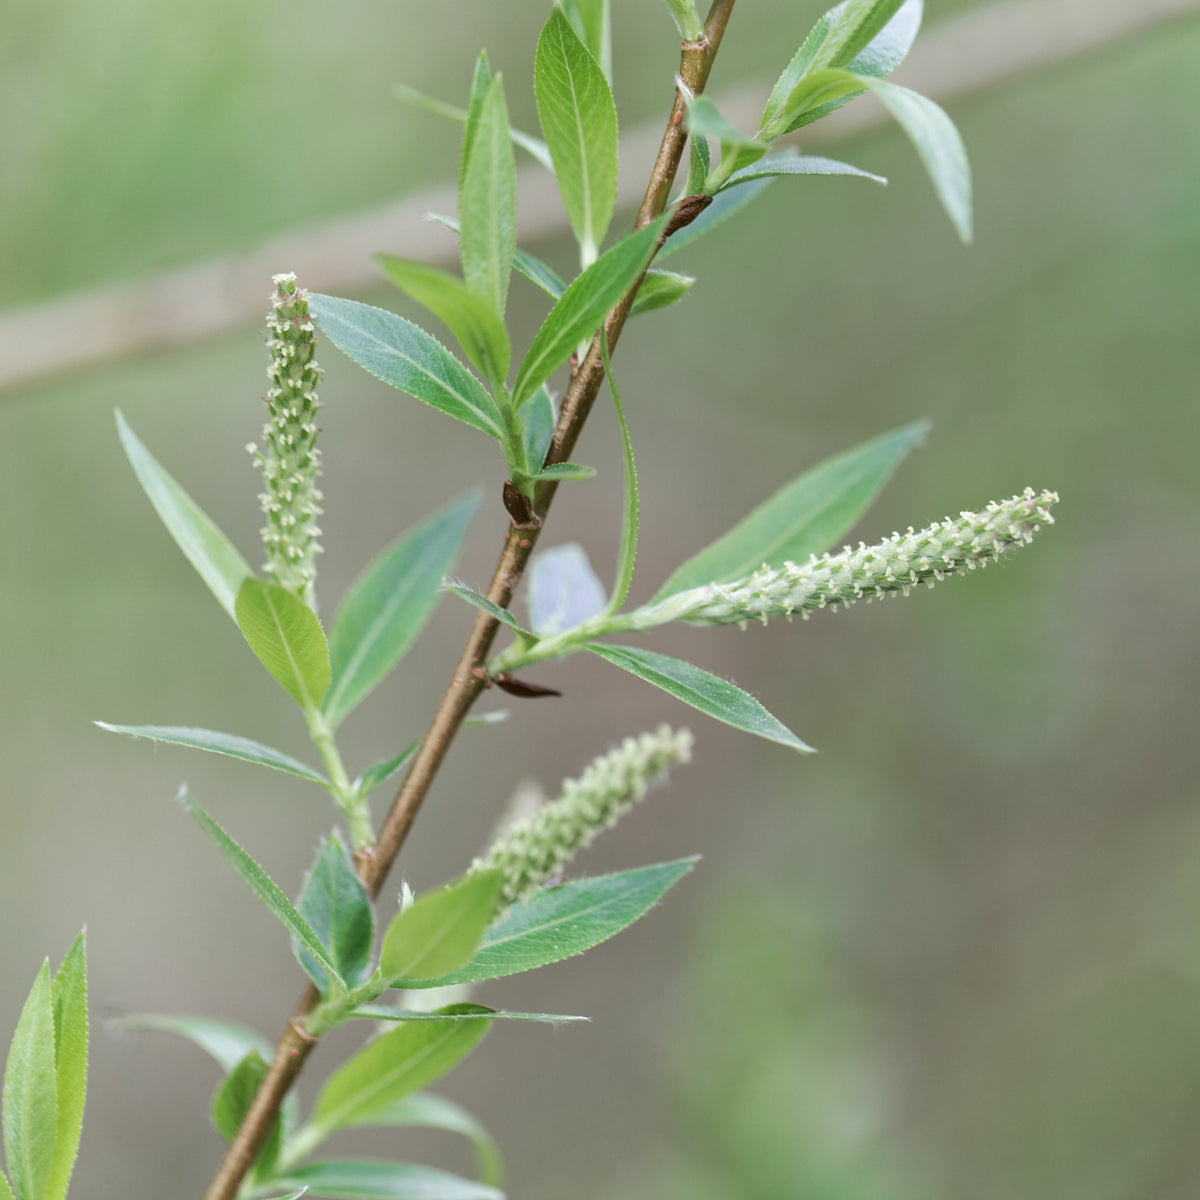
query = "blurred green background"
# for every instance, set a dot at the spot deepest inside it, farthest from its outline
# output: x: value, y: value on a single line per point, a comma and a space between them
x: 957, y: 954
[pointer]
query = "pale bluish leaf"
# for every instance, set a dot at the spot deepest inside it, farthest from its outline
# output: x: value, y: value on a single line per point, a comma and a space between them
x: 367, y: 1180
x: 562, y: 590
x: 724, y: 206
x: 287, y: 639
x: 225, y: 1041
x: 335, y: 903
x: 470, y: 596
x: 890, y: 47
x: 795, y: 164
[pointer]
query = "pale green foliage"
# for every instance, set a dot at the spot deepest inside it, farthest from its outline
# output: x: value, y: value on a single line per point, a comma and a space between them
x: 538, y: 848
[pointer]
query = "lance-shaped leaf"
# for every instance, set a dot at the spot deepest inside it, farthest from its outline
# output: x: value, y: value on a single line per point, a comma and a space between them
x: 387, y: 606
x: 592, y: 20
x: 804, y: 517
x: 471, y: 318
x: 795, y: 164
x: 540, y: 274
x: 737, y: 149
x: 394, y: 1065
x: 404, y: 355
x: 538, y: 417
x: 69, y: 993
x: 563, y: 590
x: 203, y: 544
x: 660, y: 289
x: 387, y: 1012
x: 227, y: 744
x: 725, y: 205
x: 266, y: 889
x: 579, y: 121
x: 350, y: 1179
x: 232, y: 1101
x: 705, y: 692
x: 890, y: 46
x: 581, y: 308
x: 440, y: 931
x: 560, y: 922
x: 334, y: 902
x: 287, y: 639
x: 487, y: 196
x: 476, y: 600
x: 30, y: 1098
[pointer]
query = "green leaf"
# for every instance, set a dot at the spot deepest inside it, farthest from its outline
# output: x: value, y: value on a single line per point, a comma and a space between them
x: 592, y: 20
x: 69, y: 991
x: 537, y: 272
x: 718, y: 698
x: 386, y: 1012
x: 890, y: 47
x: 387, y: 606
x: 725, y: 205
x: 483, y: 604
x: 561, y: 922
x: 5, y: 1189
x: 228, y: 744
x: 583, y: 306
x: 687, y: 19
x: 291, y: 1195
x: 699, y: 165
x: 660, y: 289
x: 471, y: 318
x: 487, y: 200
x: 565, y: 472
x: 579, y: 121
x: 334, y: 902
x: 563, y: 590
x: 804, y: 517
x: 441, y: 930
x: 287, y: 639
x: 428, y: 1111
x: 394, y: 1065
x: 704, y: 120
x: 631, y: 515
x: 30, y: 1094
x: 404, y: 355
x: 383, y: 770
x: 538, y: 417
x: 266, y: 889
x: 203, y: 544
x: 796, y: 164
x: 232, y: 1101
x: 854, y: 25
x: 366, y: 1180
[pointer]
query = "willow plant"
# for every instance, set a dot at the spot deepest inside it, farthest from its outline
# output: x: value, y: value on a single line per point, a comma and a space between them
x: 519, y: 905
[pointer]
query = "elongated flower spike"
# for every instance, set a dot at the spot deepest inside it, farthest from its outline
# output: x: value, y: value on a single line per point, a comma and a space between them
x: 290, y: 460
x: 536, y: 849
x: 895, y: 565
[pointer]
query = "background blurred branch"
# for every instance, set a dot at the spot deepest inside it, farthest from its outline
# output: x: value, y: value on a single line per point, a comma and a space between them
x: 965, y: 55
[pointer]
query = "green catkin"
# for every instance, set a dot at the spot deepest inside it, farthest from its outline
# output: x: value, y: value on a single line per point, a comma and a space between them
x: 289, y: 459
x: 895, y: 565
x: 536, y: 849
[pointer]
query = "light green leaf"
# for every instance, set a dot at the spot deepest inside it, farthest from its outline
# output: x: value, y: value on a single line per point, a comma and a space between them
x: 592, y: 20
x: 579, y: 121
x: 335, y: 904
x: 203, y: 544
x: 69, y: 990
x: 287, y: 639
x: 487, y: 200
x: 228, y: 744
x: 291, y: 1195
x: 660, y: 289
x: 5, y: 1189
x: 687, y: 19
x: 796, y: 164
x: 583, y: 306
x: 804, y: 517
x: 709, y: 694
x: 367, y: 1180
x: 560, y: 922
x: 538, y: 417
x: 890, y: 47
x: 704, y: 120
x: 394, y: 1065
x: 483, y: 604
x: 232, y: 1101
x: 565, y: 472
x: 383, y: 770
x: 563, y: 590
x: 699, y: 165
x: 406, y: 357
x: 540, y: 274
x: 724, y: 206
x: 631, y: 515
x: 854, y: 25
x: 387, y: 606
x: 30, y: 1094
x: 386, y: 1012
x: 440, y: 931
x: 471, y: 318
x: 265, y: 888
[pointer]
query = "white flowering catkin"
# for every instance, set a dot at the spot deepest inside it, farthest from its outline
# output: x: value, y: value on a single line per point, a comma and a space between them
x: 289, y: 460
x: 896, y: 564
x: 537, y: 848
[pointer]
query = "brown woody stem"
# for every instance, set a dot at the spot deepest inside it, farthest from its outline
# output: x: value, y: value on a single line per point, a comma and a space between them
x: 469, y: 678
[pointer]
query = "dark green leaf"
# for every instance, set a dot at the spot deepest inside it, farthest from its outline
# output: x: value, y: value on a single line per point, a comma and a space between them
x: 563, y: 590
x: 30, y: 1094
x: 717, y: 213
x: 660, y: 289
x: 394, y: 1065
x: 404, y: 355
x: 582, y: 307
x: 203, y: 544
x: 69, y: 989
x: 487, y: 200
x: 579, y: 121
x: 560, y: 922
x: 335, y: 903
x: 795, y: 164
x: 265, y: 888
x: 354, y: 1180
x: 538, y: 417
x: 804, y: 517
x: 220, y: 743
x: 471, y: 318
x: 287, y: 639
x: 232, y: 1101
x: 440, y: 931
x: 718, y: 698
x: 387, y: 606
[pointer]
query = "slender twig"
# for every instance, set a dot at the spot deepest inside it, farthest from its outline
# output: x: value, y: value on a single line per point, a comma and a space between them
x: 469, y: 677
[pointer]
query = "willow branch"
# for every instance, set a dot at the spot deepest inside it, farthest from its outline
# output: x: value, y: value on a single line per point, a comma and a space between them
x: 469, y: 677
